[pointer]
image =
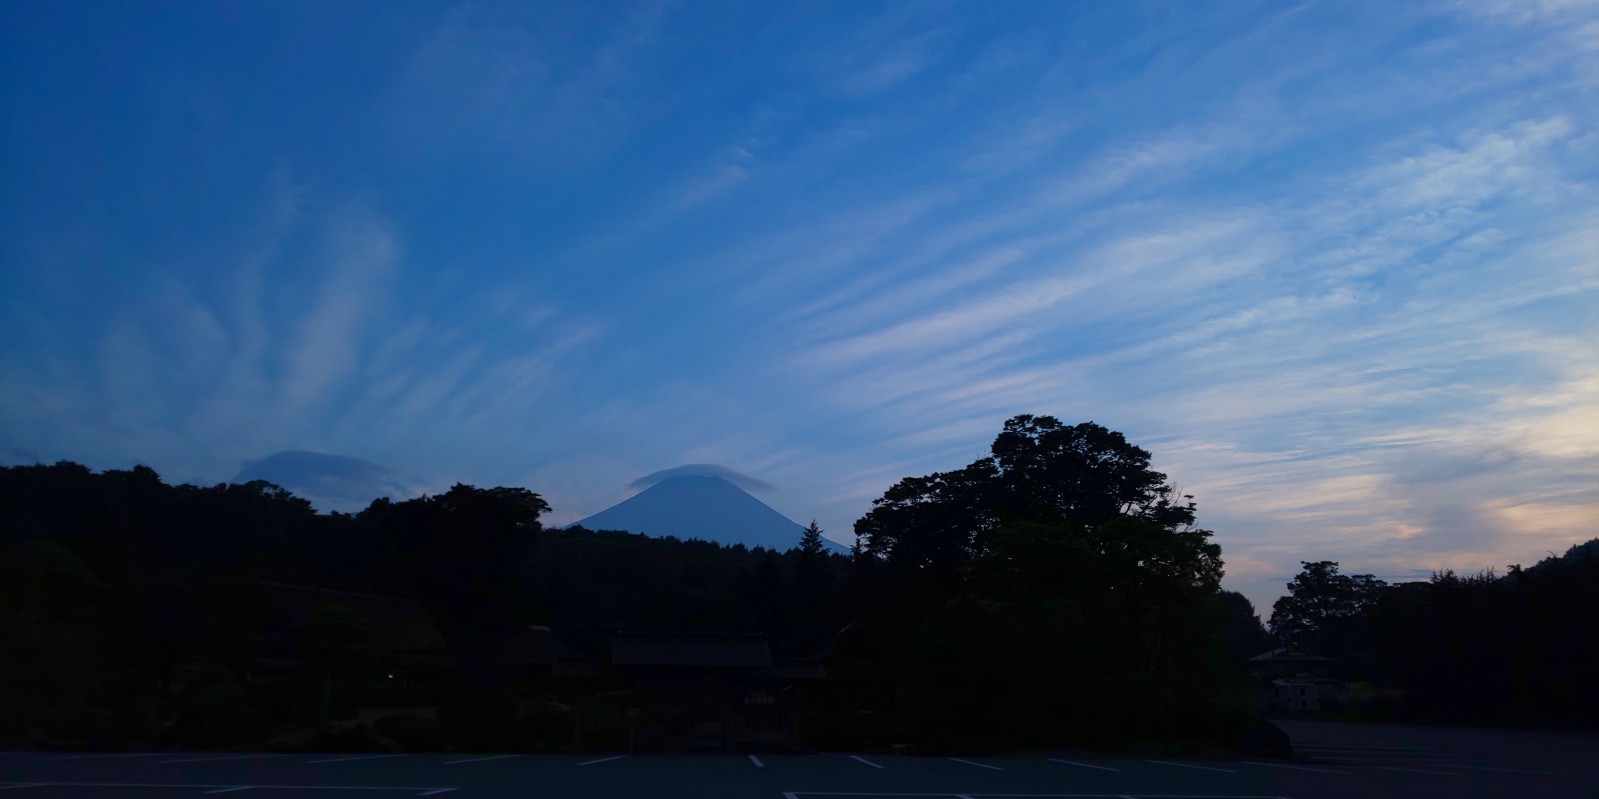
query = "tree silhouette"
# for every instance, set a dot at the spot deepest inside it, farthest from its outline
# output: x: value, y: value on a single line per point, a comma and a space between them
x: 1083, y: 473
x: 1242, y: 632
x: 1054, y: 591
x: 1322, y: 608
x: 464, y: 554
x: 1039, y: 470
x: 811, y: 544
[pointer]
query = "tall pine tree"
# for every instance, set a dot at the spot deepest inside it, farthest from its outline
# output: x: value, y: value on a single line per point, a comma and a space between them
x: 811, y: 544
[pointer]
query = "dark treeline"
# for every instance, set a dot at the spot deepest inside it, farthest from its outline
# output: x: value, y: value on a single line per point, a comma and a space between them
x: 115, y: 586
x: 1521, y: 649
x: 1056, y: 591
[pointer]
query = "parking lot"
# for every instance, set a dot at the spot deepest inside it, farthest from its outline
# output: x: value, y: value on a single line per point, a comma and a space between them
x: 1365, y: 761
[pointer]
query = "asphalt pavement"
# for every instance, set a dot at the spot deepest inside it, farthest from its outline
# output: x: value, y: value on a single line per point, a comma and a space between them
x: 1335, y: 761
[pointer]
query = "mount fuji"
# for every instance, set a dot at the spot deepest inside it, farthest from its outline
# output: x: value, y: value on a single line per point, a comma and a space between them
x: 706, y: 507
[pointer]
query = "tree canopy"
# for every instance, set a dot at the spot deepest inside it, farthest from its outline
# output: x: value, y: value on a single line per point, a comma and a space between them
x: 1054, y: 590
x: 1321, y: 606
x: 1484, y: 648
x: 1038, y: 469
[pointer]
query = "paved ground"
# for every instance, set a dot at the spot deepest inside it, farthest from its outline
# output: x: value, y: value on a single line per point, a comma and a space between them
x: 1337, y: 761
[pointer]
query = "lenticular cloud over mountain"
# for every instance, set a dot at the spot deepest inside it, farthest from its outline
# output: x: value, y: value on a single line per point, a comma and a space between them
x: 330, y: 482
x: 739, y: 479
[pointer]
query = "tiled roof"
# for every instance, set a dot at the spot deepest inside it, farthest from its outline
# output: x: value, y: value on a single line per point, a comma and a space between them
x: 690, y: 649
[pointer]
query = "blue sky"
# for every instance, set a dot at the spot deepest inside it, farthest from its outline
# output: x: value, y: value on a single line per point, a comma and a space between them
x: 1335, y: 264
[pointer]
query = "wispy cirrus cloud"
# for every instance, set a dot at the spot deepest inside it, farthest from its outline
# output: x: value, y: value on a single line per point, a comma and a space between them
x: 1257, y: 362
x: 361, y: 256
x: 498, y: 84
x: 1333, y: 263
x: 329, y: 374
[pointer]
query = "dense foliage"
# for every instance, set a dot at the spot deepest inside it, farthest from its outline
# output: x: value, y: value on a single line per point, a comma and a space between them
x: 128, y: 605
x: 1055, y: 591
x: 1518, y: 649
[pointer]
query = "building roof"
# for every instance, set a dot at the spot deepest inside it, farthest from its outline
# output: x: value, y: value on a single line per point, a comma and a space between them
x: 299, y: 601
x: 1286, y: 655
x: 535, y: 645
x: 724, y: 650
x: 793, y: 671
x: 854, y: 643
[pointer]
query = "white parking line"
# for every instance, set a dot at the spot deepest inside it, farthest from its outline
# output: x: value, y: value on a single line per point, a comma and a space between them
x: 1442, y: 761
x: 1514, y: 771
x: 1295, y: 768
x: 357, y: 757
x: 423, y: 790
x: 105, y: 756
x: 864, y: 760
x: 602, y: 760
x: 798, y: 794
x: 1375, y: 748
x: 231, y: 790
x: 214, y: 759
x: 975, y: 763
x: 1189, y: 765
x: 757, y: 762
x: 1084, y: 765
x: 478, y: 759
x: 1418, y: 771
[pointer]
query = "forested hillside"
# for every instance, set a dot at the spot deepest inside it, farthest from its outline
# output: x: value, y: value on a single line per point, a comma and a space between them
x: 1519, y: 649
x: 111, y: 583
x: 1055, y: 591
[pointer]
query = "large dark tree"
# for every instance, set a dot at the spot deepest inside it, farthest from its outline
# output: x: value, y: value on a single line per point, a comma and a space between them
x: 1082, y: 473
x: 1056, y: 590
x: 937, y: 522
x: 1094, y: 635
x: 464, y: 554
x: 1242, y: 632
x: 1323, y: 609
x: 1039, y: 470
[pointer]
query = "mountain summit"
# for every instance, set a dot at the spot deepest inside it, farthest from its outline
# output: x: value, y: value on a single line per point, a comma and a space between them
x: 704, y: 507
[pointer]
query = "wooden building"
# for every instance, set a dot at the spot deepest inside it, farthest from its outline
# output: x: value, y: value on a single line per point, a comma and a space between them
x: 687, y: 691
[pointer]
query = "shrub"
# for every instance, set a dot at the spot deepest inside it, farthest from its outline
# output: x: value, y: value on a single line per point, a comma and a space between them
x: 548, y: 727
x: 1266, y: 739
x: 482, y: 722
x: 333, y: 738
x: 70, y: 725
x: 841, y: 730
x: 413, y: 732
x: 217, y: 716
x: 141, y: 719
